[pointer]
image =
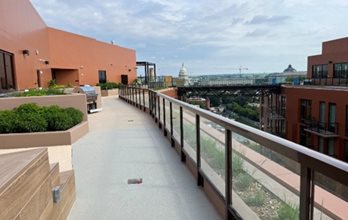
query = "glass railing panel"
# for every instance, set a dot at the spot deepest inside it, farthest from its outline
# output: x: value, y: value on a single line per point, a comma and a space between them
x: 330, y: 198
x: 147, y: 98
x: 160, y: 110
x: 265, y: 184
x: 212, y: 139
x: 176, y: 122
x: 167, y: 106
x: 190, y: 141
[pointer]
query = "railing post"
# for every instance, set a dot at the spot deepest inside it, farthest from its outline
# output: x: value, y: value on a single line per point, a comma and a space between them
x: 144, y: 105
x: 200, y: 180
x: 228, y: 172
x: 306, y: 193
x: 164, y: 117
x: 133, y: 96
x: 159, y: 111
x: 155, y: 106
x: 171, y: 124
x: 183, y: 156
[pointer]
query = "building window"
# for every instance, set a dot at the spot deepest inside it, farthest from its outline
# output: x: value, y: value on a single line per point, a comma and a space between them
x: 346, y: 151
x: 321, y: 144
x: 332, y: 117
x: 331, y: 147
x: 102, y: 76
x: 306, y: 110
x: 305, y: 137
x: 6, y: 71
x: 347, y: 120
x: 319, y: 71
x: 341, y: 70
x: 322, y: 115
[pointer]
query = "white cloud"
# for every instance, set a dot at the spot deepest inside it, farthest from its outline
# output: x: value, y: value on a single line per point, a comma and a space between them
x: 265, y: 35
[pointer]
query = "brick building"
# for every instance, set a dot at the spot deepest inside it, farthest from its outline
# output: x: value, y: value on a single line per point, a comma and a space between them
x: 314, y: 115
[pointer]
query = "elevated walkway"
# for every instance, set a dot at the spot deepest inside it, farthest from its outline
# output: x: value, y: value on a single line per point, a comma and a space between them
x: 124, y: 143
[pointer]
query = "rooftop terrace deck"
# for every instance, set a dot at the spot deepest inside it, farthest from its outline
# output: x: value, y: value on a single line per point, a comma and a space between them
x: 124, y: 143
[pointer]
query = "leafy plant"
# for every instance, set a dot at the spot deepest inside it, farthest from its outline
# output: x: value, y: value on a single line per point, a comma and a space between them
x: 33, y: 118
x: 237, y: 165
x: 108, y: 85
x: 8, y: 121
x: 288, y: 212
x: 257, y: 199
x: 30, y: 118
x: 243, y: 181
x: 41, y: 92
x: 52, y: 83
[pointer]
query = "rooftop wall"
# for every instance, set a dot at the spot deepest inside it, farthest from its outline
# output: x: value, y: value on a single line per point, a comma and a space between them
x: 71, y: 51
x: 21, y: 28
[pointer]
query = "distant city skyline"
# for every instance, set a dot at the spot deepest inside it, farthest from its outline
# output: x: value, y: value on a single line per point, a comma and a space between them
x: 210, y: 37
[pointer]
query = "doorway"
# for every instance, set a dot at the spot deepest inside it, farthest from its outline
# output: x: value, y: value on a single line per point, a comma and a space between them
x: 38, y: 78
x: 124, y: 79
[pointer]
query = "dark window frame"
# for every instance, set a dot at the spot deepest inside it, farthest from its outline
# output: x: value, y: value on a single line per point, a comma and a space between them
x: 9, y: 77
x: 102, y: 76
x: 340, y: 70
x: 320, y: 71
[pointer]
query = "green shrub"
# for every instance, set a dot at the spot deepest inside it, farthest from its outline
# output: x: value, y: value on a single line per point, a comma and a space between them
x: 30, y: 118
x: 8, y: 121
x: 257, y: 199
x: 108, y: 85
x: 237, y: 165
x: 243, y: 181
x: 57, y: 119
x: 288, y: 212
x: 41, y: 92
x: 76, y: 115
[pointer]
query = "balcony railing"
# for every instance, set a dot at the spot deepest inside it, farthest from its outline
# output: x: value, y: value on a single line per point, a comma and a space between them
x: 327, y: 81
x: 244, y: 170
x: 322, y: 128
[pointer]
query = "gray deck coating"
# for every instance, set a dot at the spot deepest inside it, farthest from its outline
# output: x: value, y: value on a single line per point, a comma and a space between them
x: 124, y: 143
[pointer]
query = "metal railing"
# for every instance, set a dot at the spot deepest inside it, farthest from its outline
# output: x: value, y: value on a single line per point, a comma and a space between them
x: 327, y: 81
x: 325, y: 128
x: 294, y: 175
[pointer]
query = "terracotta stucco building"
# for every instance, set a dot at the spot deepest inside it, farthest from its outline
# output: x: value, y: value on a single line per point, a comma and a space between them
x: 31, y: 53
x: 315, y: 114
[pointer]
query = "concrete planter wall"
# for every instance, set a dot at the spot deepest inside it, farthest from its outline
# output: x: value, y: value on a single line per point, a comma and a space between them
x: 109, y: 92
x: 77, y: 101
x: 43, y: 139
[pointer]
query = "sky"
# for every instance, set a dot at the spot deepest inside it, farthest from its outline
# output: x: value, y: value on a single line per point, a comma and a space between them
x: 209, y: 36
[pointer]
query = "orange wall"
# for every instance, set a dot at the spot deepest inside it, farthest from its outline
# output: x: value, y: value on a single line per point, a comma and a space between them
x: 88, y: 55
x: 22, y: 28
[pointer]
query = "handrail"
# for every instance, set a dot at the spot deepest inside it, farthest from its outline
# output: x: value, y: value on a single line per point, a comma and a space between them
x: 266, y: 138
x: 311, y: 161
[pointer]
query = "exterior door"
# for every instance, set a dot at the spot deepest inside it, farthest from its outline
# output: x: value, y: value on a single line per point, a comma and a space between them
x: 7, y: 81
x: 124, y: 79
x: 38, y: 78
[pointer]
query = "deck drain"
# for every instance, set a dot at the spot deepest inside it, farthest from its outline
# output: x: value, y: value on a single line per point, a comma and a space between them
x: 135, y: 181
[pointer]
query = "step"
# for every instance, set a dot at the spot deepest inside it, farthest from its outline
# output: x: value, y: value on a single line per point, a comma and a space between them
x: 21, y: 175
x: 61, y: 209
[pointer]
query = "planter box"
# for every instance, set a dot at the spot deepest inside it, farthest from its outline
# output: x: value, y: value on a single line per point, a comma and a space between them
x: 77, y: 101
x: 43, y: 139
x: 109, y: 92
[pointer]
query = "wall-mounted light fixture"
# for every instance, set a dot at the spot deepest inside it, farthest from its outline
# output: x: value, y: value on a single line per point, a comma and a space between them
x: 26, y: 52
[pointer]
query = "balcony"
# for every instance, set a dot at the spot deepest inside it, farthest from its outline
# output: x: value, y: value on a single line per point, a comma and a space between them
x: 244, y: 171
x: 323, y: 129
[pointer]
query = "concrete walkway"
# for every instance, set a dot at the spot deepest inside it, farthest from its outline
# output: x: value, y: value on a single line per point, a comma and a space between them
x: 125, y: 143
